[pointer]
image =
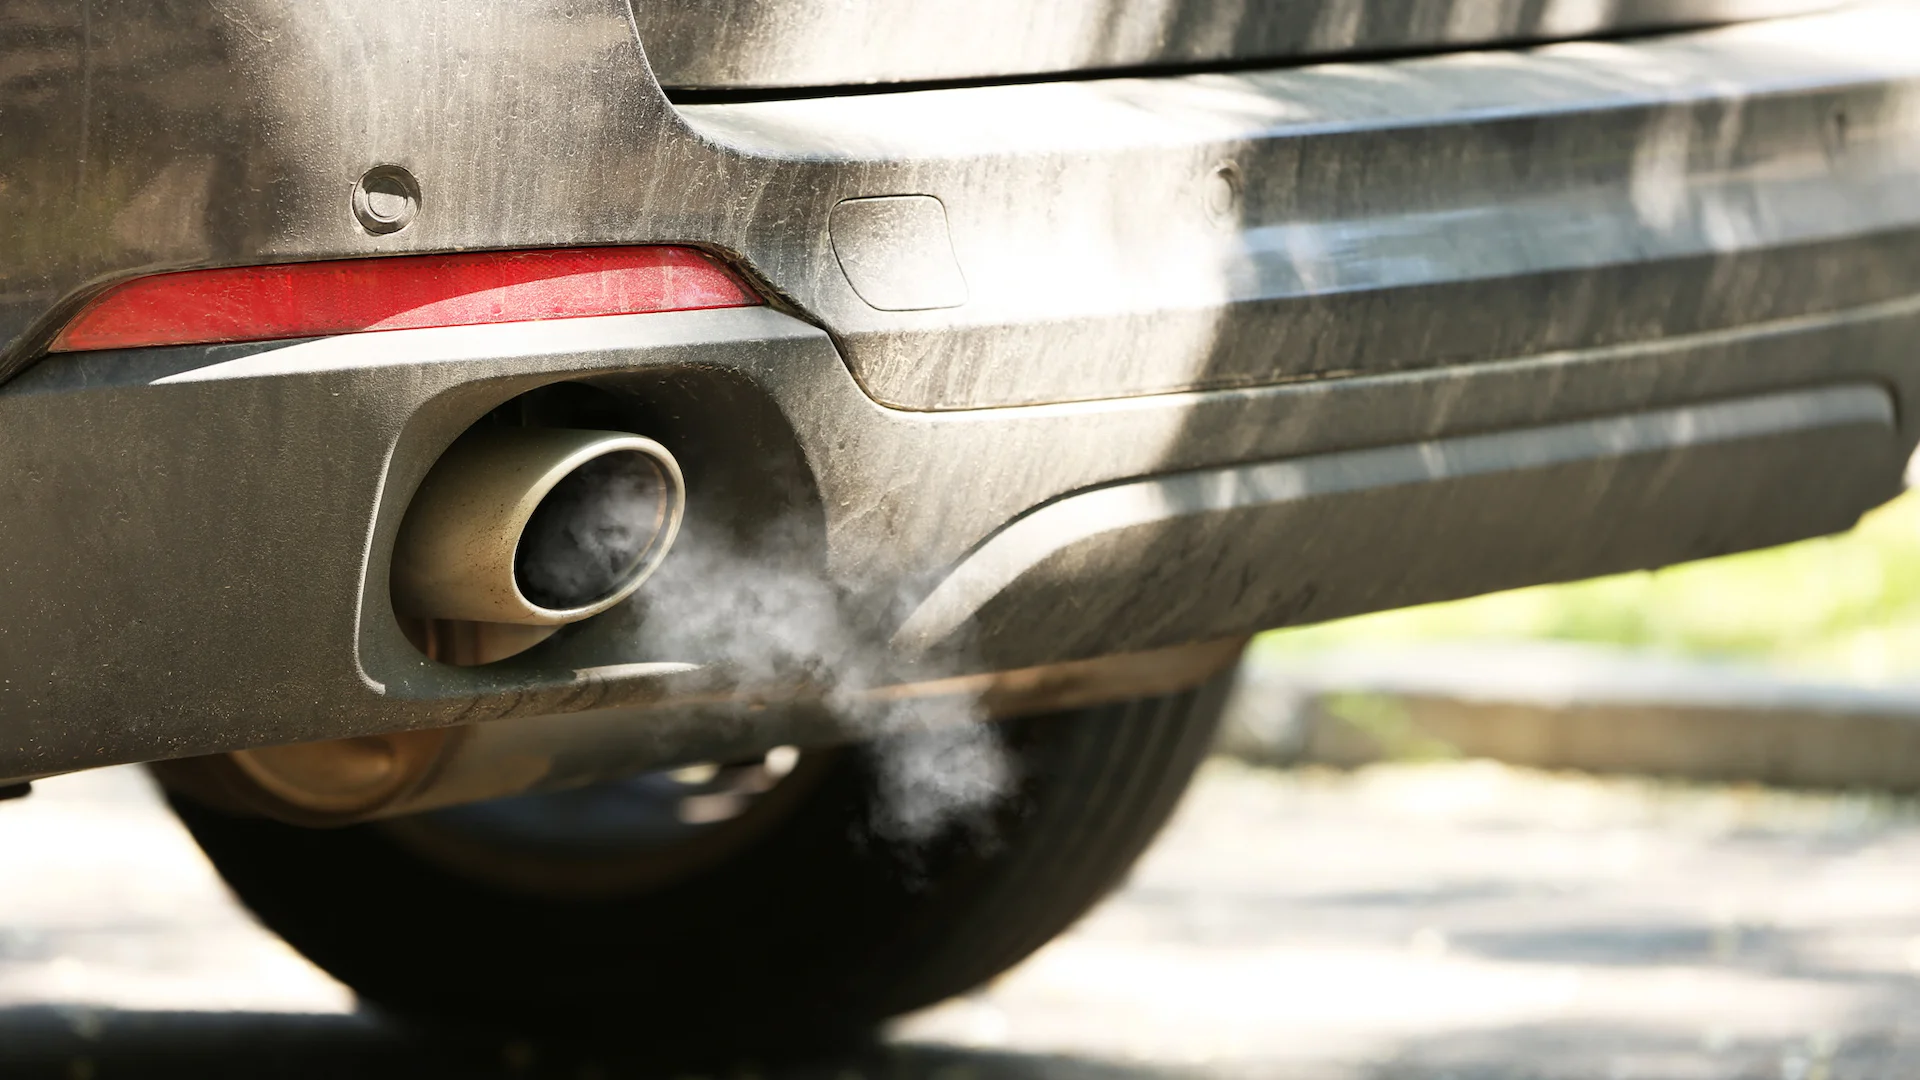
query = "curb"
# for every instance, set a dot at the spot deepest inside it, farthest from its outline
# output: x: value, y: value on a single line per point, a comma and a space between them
x: 1564, y: 706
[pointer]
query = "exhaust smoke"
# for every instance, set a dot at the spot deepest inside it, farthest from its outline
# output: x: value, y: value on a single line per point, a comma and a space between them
x: 942, y: 766
x: 756, y: 610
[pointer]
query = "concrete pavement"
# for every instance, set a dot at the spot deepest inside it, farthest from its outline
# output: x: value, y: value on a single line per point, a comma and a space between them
x: 1450, y: 920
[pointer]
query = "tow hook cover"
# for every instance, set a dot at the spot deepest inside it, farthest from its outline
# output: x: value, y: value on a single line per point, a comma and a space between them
x: 897, y: 253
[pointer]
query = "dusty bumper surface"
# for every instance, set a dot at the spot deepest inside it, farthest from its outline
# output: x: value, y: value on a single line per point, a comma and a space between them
x: 198, y: 539
x: 1150, y: 235
x: 743, y: 44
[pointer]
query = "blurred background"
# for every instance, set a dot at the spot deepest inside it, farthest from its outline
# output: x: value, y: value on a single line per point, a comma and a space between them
x: 1844, y: 607
x: 1608, y: 829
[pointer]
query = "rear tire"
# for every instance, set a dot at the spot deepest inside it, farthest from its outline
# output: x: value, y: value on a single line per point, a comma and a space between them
x: 817, y: 928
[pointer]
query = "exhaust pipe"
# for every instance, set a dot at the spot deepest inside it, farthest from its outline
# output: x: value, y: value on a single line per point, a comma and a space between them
x: 536, y: 527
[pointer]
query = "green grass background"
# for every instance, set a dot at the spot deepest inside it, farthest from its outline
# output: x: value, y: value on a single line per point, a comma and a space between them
x: 1846, y: 605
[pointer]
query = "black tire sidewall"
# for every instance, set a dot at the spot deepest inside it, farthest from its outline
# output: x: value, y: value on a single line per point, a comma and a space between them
x: 819, y: 929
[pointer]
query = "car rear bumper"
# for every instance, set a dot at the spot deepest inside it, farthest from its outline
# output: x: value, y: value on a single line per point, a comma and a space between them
x: 198, y: 539
x: 1229, y: 352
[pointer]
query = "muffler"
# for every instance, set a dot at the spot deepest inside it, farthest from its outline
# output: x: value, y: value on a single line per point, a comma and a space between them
x: 346, y: 781
x: 536, y: 527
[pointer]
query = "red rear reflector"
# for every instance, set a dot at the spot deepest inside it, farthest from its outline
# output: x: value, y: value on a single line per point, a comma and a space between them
x: 260, y: 303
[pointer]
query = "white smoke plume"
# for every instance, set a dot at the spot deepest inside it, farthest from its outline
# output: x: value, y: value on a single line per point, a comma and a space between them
x: 940, y: 766
x: 757, y: 609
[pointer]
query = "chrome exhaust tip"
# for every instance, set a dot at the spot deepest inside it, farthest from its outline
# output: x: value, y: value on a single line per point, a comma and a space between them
x: 536, y: 526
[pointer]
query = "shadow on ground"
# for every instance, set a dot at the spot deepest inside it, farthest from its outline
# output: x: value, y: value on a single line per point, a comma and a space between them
x: 66, y: 1044
x: 88, y: 1044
